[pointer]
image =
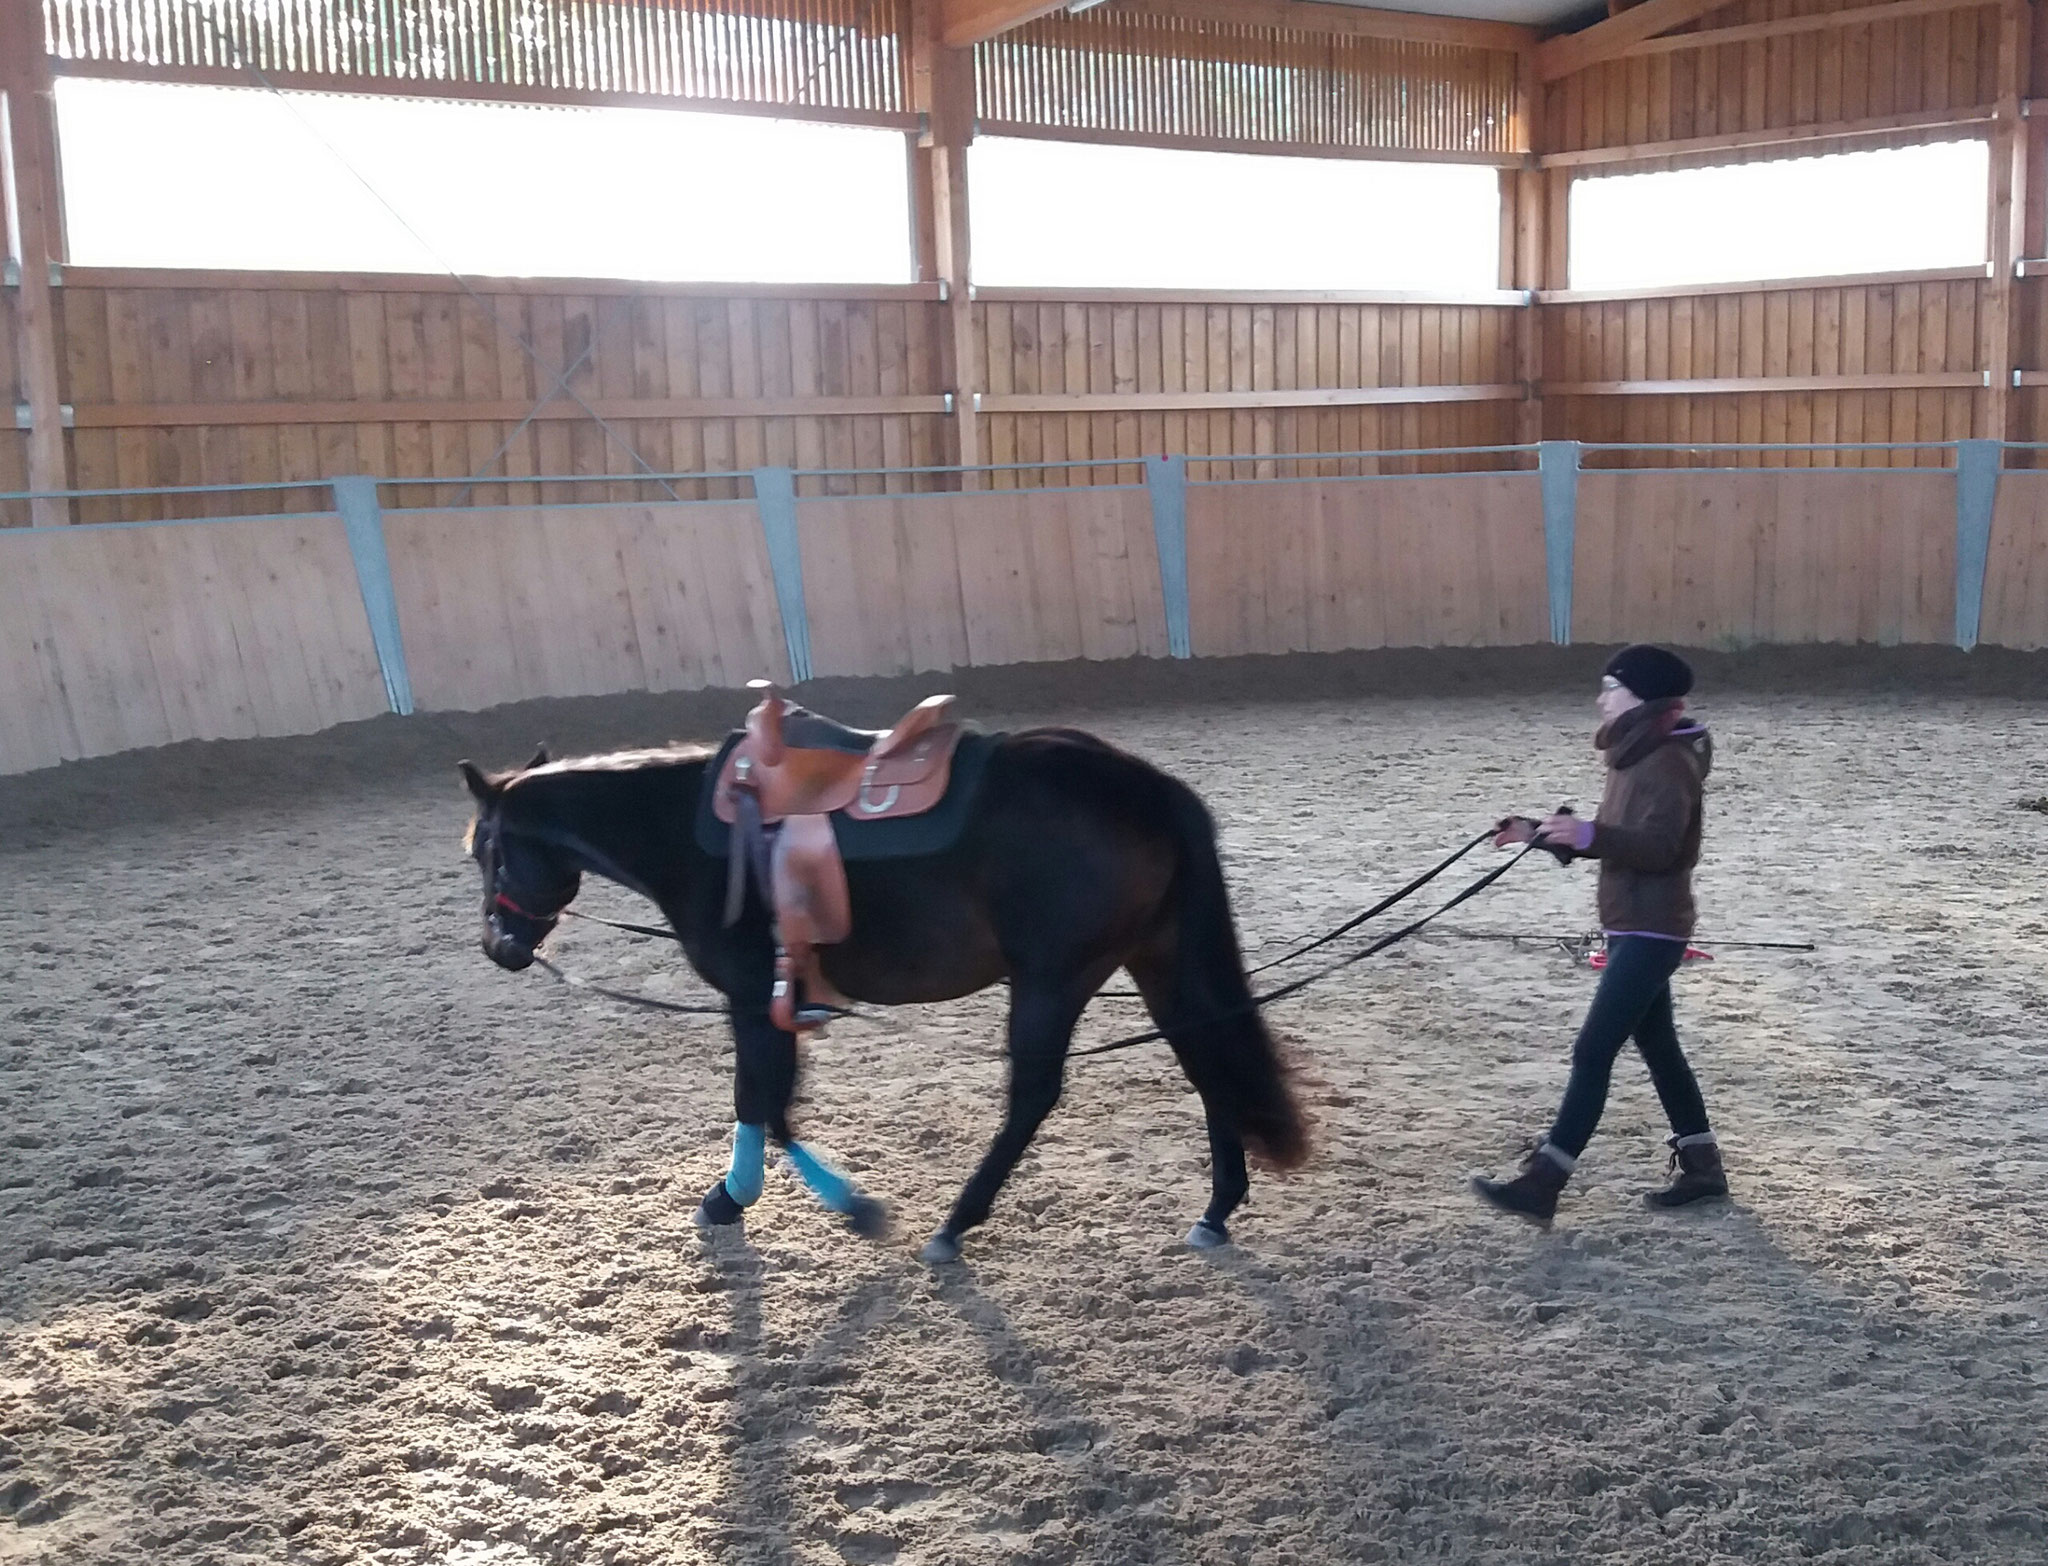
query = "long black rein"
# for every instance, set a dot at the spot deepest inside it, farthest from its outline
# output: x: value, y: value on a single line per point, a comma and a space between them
x: 1391, y: 938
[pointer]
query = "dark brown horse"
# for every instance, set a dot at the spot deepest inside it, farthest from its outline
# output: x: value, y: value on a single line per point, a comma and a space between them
x: 1075, y: 859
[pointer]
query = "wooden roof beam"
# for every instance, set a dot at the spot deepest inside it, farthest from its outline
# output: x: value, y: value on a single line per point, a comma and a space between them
x: 968, y: 22
x: 964, y: 23
x: 1560, y: 57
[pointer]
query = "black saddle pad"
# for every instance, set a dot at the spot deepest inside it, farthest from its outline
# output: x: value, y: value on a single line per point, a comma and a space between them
x: 906, y: 837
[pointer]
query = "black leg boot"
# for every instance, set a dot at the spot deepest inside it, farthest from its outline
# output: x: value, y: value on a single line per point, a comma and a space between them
x: 1696, y: 1171
x: 1533, y: 1193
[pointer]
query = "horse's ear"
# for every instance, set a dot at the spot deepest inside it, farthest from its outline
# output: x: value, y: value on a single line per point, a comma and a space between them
x: 540, y: 757
x: 478, y: 785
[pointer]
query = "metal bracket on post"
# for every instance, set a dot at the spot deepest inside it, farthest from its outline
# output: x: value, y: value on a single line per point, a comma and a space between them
x: 356, y: 499
x: 775, y: 500
x: 1557, y: 466
x: 1977, y: 466
x: 1166, y: 481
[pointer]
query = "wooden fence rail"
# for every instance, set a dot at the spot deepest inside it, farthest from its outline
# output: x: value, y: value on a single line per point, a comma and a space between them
x: 124, y: 635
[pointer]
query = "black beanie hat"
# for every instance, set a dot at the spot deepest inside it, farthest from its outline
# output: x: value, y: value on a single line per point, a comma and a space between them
x: 1651, y: 673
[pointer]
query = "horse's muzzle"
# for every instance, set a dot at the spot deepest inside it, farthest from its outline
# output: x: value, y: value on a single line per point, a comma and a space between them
x: 506, y: 952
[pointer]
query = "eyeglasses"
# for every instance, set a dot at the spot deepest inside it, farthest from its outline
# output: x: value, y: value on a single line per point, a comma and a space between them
x: 1609, y: 683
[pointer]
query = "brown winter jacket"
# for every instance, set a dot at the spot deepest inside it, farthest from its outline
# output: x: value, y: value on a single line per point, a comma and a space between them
x: 1647, y: 834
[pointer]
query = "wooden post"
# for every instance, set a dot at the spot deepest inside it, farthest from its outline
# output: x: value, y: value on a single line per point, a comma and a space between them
x: 1528, y: 266
x: 942, y: 82
x: 29, y: 151
x: 2006, y: 223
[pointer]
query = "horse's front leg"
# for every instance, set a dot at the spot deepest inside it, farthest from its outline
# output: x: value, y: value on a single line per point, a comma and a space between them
x: 764, y: 1085
x: 1042, y: 1018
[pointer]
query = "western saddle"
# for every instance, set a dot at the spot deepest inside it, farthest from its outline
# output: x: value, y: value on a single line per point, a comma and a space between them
x: 781, y: 784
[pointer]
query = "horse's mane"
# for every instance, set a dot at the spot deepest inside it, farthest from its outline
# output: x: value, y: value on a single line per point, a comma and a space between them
x: 672, y: 755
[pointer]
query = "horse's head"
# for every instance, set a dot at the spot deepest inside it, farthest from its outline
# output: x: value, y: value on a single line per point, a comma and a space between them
x: 528, y: 880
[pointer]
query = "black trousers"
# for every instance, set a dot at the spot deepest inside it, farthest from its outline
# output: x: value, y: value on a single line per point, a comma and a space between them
x: 1633, y: 1001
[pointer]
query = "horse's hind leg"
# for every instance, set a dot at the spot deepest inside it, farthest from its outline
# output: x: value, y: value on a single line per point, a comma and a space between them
x: 1042, y: 1018
x: 1228, y: 1179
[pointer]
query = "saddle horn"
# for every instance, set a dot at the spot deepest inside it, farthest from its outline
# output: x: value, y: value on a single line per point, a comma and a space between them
x: 765, y: 721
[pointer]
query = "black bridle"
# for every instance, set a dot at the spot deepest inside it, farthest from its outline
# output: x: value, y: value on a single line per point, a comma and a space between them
x: 501, y: 904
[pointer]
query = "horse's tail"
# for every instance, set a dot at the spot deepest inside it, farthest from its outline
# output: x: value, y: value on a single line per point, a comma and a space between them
x: 1212, y: 1020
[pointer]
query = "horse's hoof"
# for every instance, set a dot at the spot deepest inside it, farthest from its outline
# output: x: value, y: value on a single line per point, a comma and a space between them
x: 940, y: 1249
x: 1207, y: 1236
x: 718, y: 1210
x: 868, y: 1218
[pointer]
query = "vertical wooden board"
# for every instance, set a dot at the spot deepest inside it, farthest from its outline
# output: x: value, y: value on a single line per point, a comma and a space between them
x: 1351, y: 551
x: 1052, y: 585
x: 1852, y: 50
x: 307, y: 616
x: 36, y: 728
x: 594, y: 556
x: 1593, y: 557
x: 1278, y: 521
x: 459, y: 638
x: 1866, y: 560
x: 2016, y: 571
x: 1100, y: 545
x: 663, y: 588
x: 996, y: 585
x: 1216, y: 594
x: 262, y: 683
x: 928, y: 564
x: 1648, y: 547
x: 1695, y: 611
x: 1404, y: 551
x: 833, y: 535
x: 1930, y: 613
x: 1460, y: 544
x: 98, y: 627
x: 1731, y: 539
x: 165, y: 576
x: 739, y: 601
x: 598, y: 633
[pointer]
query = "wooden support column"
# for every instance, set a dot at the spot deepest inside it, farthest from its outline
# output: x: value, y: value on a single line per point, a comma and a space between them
x: 943, y: 82
x: 2006, y: 225
x: 28, y: 150
x: 1525, y: 195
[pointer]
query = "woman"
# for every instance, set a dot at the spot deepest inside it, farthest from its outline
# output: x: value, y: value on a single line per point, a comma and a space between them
x: 1647, y: 839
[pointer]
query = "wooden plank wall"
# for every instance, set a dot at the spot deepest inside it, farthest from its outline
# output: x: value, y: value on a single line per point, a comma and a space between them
x: 505, y: 604
x: 114, y: 638
x: 1156, y: 349
x: 1391, y: 562
x: 932, y: 582
x: 1943, y: 60
x: 1711, y: 559
x: 1846, y: 330
x: 414, y: 377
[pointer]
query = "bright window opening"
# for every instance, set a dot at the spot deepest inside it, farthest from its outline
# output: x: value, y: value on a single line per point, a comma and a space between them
x: 1050, y: 214
x: 1898, y: 210
x: 177, y: 176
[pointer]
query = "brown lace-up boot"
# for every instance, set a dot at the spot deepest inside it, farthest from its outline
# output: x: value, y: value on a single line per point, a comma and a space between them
x: 1695, y: 1170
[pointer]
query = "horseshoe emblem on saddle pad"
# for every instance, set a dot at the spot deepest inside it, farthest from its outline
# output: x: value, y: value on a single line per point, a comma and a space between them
x: 861, y: 800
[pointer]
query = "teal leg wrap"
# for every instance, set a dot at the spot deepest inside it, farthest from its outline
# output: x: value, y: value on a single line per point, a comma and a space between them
x: 749, y: 1169
x: 826, y: 1183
